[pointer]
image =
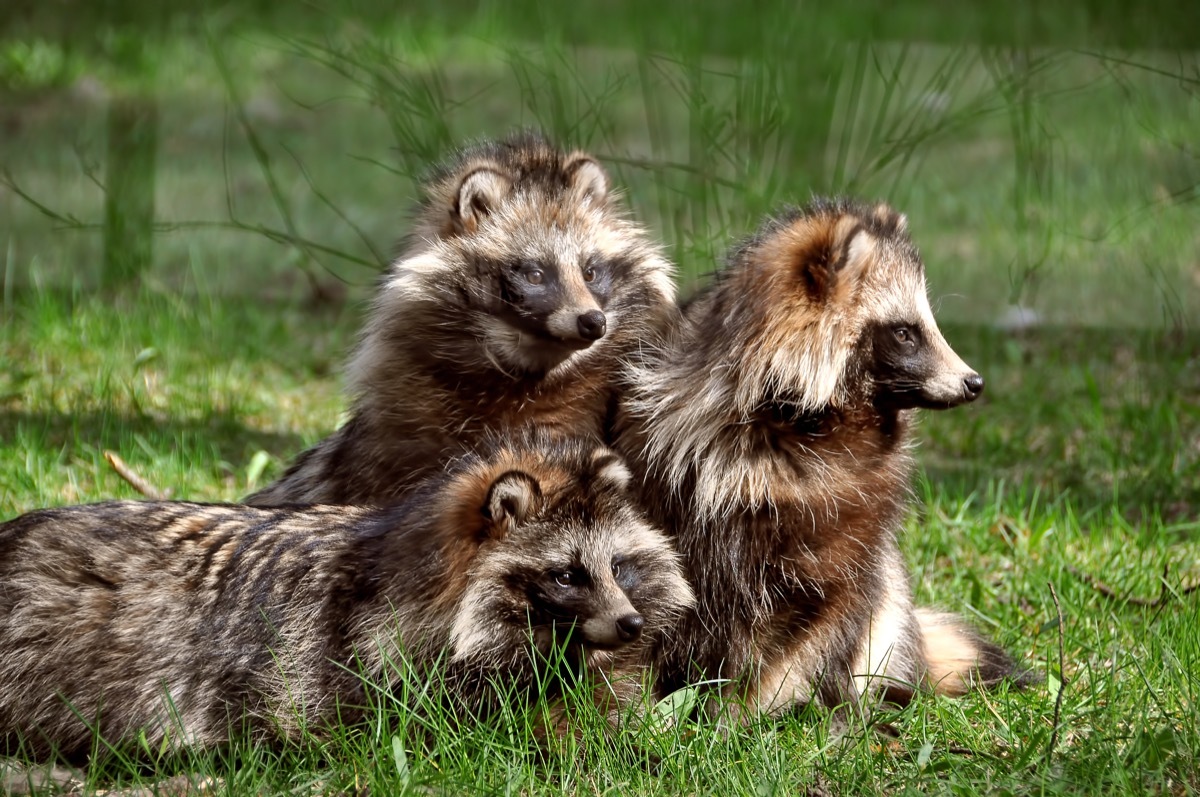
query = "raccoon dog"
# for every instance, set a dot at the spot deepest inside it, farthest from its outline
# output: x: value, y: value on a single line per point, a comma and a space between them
x: 771, y: 434
x: 185, y: 621
x: 520, y: 294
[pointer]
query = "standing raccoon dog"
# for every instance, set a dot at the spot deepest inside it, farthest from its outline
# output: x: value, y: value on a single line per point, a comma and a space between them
x: 515, y: 303
x: 771, y: 434
x: 187, y: 621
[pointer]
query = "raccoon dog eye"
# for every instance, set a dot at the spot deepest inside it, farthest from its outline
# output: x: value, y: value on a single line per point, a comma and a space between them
x: 903, y: 335
x: 616, y: 568
x: 589, y: 273
x: 535, y: 276
x: 563, y: 579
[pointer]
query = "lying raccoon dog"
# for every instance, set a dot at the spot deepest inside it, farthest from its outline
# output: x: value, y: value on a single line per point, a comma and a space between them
x: 184, y: 621
x: 770, y: 436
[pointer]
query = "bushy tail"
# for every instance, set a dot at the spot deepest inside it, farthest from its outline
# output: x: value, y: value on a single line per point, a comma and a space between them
x: 958, y: 658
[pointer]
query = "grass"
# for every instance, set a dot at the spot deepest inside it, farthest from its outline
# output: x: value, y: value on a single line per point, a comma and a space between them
x: 1062, y: 180
x: 188, y: 393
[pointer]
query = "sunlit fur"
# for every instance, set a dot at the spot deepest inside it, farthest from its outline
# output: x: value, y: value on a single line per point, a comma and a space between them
x: 451, y: 352
x: 772, y: 443
x: 189, y: 622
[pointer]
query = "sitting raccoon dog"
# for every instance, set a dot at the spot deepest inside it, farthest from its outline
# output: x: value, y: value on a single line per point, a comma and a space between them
x: 188, y: 621
x: 771, y: 433
x: 521, y: 293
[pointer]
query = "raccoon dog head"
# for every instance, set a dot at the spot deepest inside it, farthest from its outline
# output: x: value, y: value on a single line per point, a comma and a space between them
x: 564, y: 553
x: 528, y: 245
x: 837, y: 295
x: 532, y: 243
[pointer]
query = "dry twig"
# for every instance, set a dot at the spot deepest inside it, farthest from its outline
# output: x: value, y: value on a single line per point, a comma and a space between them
x: 1062, y: 676
x: 135, y: 481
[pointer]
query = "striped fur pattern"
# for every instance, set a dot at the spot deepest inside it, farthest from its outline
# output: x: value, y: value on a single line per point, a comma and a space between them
x: 515, y: 303
x: 771, y: 435
x: 187, y: 621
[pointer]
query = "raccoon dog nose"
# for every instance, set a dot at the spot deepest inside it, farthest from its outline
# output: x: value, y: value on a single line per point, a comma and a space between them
x: 592, y: 325
x: 629, y: 627
x: 974, y: 386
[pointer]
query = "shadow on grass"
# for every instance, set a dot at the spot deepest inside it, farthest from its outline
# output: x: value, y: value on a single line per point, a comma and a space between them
x: 193, y: 459
x: 1172, y: 502
x: 1107, y: 418
x: 219, y: 434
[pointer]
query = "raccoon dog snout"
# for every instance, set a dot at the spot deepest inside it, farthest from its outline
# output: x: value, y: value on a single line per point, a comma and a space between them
x: 592, y: 325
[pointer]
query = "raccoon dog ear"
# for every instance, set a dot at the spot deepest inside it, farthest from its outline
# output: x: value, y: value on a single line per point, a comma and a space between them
x: 511, y: 499
x: 479, y: 194
x: 830, y: 254
x: 588, y: 178
x: 888, y: 218
x: 611, y: 468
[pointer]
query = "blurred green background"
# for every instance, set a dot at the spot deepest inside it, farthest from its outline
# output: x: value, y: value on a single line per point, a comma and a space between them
x: 1047, y: 156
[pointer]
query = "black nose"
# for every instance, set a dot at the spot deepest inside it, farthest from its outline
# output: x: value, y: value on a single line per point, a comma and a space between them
x: 592, y: 325
x: 974, y: 386
x: 629, y: 627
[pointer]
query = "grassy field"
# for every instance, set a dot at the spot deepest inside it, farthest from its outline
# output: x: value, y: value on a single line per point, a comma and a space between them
x: 1063, y: 181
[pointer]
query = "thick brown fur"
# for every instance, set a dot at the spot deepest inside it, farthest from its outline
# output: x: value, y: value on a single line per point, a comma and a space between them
x: 515, y: 302
x: 189, y: 622
x: 771, y: 435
